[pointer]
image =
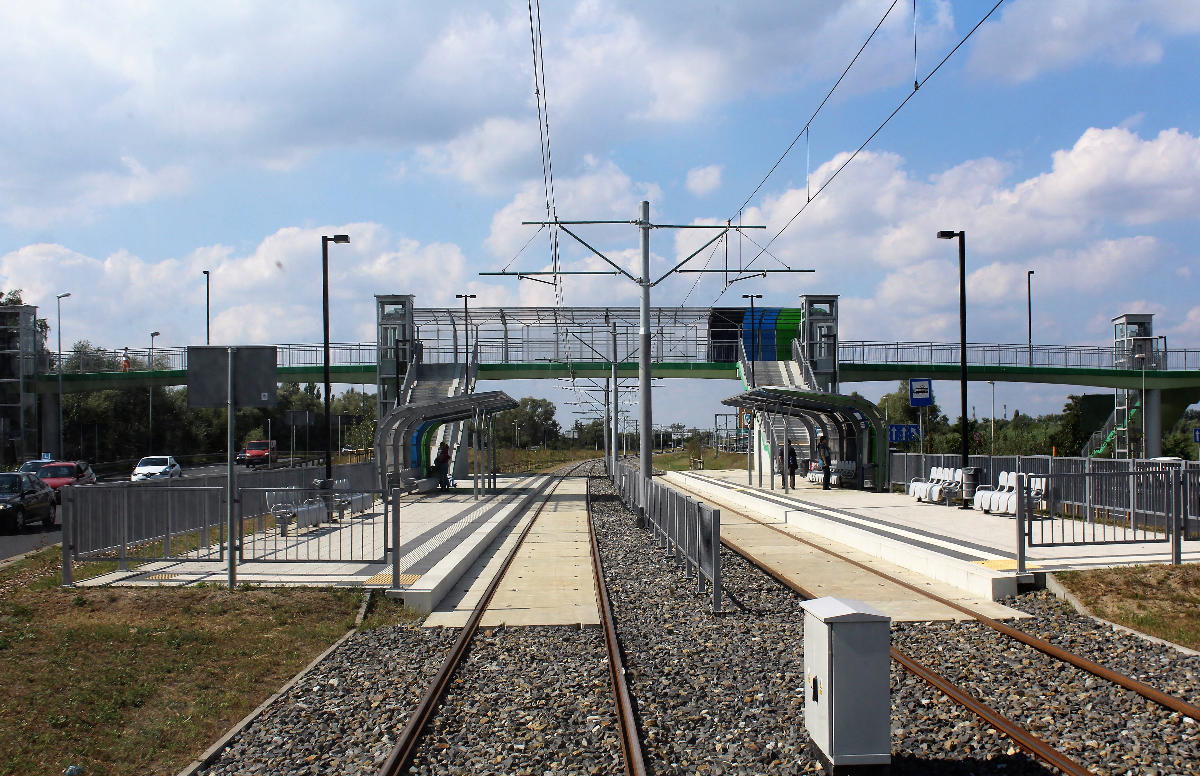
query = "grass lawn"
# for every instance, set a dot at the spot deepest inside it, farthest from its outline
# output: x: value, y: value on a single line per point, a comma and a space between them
x: 143, y: 680
x: 1160, y: 600
x: 680, y: 460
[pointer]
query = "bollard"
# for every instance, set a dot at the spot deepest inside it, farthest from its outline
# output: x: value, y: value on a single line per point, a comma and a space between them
x: 847, y: 692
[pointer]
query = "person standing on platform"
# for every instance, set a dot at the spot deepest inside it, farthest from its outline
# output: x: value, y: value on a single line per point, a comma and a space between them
x: 826, y: 460
x: 442, y: 463
x: 792, y: 464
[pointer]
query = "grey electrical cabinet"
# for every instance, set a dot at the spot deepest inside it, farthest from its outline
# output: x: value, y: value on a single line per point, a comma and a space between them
x: 847, y: 703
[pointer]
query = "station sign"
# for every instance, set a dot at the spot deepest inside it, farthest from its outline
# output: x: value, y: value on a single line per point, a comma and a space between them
x: 920, y: 392
x: 904, y: 432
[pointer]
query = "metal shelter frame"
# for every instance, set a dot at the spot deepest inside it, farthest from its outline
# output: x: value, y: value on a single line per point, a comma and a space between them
x: 399, y: 436
x: 843, y: 419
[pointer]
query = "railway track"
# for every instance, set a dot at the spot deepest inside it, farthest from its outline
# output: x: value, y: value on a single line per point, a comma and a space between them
x: 1025, y: 739
x: 450, y: 725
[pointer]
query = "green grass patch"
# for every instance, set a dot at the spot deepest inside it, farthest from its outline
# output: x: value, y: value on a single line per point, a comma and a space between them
x: 1159, y: 600
x: 143, y: 680
x: 681, y: 460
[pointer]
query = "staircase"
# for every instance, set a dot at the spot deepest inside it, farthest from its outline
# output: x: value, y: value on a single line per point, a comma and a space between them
x: 430, y: 382
x: 1113, y: 437
x: 780, y: 374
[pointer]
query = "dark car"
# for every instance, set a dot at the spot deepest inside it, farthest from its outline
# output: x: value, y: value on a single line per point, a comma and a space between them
x: 33, y: 466
x: 56, y: 474
x: 25, y: 499
x: 241, y: 457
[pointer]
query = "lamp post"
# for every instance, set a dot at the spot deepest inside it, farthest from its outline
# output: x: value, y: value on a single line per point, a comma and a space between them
x: 992, y: 446
x: 517, y: 436
x: 325, y: 240
x: 150, y: 412
x: 466, y: 332
x: 1141, y: 357
x: 1029, y: 310
x: 753, y: 328
x: 58, y: 302
x: 946, y: 234
x: 207, y: 300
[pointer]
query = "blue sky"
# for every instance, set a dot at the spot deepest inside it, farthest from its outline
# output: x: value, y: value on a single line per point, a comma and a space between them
x: 145, y: 143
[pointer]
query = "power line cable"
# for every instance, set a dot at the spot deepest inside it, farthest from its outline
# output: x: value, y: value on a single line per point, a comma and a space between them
x: 828, y: 94
x: 878, y: 129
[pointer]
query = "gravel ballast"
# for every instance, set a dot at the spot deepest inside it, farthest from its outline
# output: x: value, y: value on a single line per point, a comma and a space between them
x: 714, y: 694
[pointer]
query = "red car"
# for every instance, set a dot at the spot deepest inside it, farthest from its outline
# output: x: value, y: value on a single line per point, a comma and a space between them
x: 59, y: 473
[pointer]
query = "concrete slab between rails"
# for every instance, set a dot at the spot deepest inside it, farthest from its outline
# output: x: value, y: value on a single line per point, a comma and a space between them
x: 550, y: 580
x: 835, y: 515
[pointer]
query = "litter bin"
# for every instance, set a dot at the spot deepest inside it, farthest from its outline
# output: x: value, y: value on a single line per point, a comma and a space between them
x: 970, y: 482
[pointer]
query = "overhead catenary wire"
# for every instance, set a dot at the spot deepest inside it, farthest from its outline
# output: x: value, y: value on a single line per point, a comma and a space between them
x: 916, y: 87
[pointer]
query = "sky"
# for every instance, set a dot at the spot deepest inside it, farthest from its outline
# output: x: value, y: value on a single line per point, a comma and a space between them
x: 145, y: 143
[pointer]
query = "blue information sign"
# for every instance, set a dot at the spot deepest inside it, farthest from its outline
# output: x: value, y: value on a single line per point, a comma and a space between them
x: 1196, y: 435
x: 904, y: 432
x: 920, y: 392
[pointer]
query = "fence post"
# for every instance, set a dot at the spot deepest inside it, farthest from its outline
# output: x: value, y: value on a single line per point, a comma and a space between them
x: 1022, y: 516
x: 1175, y: 516
x: 716, y: 551
x: 67, y: 578
x: 123, y: 558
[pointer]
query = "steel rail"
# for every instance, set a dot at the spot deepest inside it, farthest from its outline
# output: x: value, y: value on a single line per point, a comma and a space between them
x: 402, y: 753
x: 1146, y: 691
x: 631, y: 742
x: 1025, y: 740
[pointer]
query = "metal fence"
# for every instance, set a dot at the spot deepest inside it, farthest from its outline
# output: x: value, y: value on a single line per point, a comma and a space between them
x: 688, y: 530
x: 168, y: 520
x: 1074, y: 501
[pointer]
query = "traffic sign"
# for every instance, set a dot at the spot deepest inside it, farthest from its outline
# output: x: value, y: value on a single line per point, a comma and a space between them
x: 904, y: 432
x: 920, y: 392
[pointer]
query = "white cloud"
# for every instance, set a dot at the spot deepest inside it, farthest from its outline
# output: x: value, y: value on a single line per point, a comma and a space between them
x: 270, y: 294
x: 1032, y: 37
x: 704, y: 180
x: 497, y: 150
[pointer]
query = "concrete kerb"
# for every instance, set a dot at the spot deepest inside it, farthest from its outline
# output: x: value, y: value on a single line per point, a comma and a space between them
x: 1061, y: 592
x: 447, y: 572
x: 973, y: 578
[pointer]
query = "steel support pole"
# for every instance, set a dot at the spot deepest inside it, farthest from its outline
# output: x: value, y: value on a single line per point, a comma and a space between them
x: 646, y: 425
x: 230, y: 473
x: 613, y: 397
x: 325, y: 322
x: 604, y: 432
x: 962, y: 332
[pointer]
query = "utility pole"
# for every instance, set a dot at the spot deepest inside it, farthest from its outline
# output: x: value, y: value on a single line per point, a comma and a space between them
x: 645, y: 283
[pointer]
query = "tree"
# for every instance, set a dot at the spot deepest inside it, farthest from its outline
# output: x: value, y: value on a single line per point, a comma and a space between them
x: 532, y: 420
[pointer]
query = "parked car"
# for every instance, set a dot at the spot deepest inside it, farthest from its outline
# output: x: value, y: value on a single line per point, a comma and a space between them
x: 59, y: 473
x: 156, y: 467
x: 32, y: 466
x: 240, y: 458
x: 25, y: 499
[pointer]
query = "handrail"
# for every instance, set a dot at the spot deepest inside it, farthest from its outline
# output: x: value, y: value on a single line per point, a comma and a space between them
x: 1009, y: 354
x: 807, y: 375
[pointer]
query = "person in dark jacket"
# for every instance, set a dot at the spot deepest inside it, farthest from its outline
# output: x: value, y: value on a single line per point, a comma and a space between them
x: 826, y: 460
x: 792, y: 464
x: 442, y: 464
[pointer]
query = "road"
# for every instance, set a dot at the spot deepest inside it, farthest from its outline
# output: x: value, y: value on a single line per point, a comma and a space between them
x: 31, y: 539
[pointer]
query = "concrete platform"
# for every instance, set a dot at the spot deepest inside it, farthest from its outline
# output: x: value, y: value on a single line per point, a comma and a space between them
x: 963, y: 548
x: 550, y: 581
x: 441, y: 534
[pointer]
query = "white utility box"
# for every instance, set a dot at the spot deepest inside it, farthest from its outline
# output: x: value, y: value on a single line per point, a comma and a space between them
x: 847, y: 701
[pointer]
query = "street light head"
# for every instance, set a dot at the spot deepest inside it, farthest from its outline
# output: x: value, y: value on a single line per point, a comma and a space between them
x: 205, y: 272
x: 155, y: 333
x: 64, y: 296
x: 751, y: 296
x: 1029, y: 272
x: 946, y: 234
x: 464, y: 296
x: 341, y: 238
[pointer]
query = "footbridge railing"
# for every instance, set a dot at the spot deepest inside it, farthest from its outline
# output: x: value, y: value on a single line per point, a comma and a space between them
x: 1003, y: 355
